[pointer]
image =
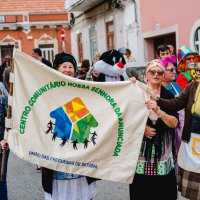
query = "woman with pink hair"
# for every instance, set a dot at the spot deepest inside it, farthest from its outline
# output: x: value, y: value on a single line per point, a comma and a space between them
x: 155, y: 167
x: 170, y: 84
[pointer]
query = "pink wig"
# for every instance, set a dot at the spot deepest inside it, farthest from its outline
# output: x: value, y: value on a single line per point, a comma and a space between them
x: 168, y: 59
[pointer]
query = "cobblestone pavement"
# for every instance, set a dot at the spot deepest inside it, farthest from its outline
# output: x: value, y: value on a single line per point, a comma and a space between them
x: 25, y: 184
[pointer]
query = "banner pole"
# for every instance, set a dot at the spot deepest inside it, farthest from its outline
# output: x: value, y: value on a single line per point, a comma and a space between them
x: 9, y: 116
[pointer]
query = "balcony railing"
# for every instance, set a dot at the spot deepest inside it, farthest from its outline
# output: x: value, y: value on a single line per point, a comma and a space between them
x: 81, y: 5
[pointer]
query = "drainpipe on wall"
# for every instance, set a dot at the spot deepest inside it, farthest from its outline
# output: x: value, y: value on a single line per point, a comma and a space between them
x: 139, y: 41
x: 135, y: 11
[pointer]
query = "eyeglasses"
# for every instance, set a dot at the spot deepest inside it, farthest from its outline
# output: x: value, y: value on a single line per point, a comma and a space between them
x: 190, y: 58
x: 170, y: 70
x: 153, y: 72
x: 197, y: 70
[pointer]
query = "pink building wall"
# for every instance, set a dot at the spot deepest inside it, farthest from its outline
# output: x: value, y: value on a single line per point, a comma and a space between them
x: 168, y: 13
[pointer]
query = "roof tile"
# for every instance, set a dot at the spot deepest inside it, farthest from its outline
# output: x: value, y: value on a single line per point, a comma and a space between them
x: 32, y: 5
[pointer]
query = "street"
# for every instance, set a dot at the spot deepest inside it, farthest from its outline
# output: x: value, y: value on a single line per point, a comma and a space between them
x: 25, y: 184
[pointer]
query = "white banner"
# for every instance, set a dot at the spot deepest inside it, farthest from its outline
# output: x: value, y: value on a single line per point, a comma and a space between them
x: 70, y: 125
x: 189, y: 154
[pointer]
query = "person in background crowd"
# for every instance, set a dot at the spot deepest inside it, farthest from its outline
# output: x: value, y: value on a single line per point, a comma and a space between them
x: 5, y: 65
x: 92, y: 74
x: 187, y: 61
x: 4, y: 91
x: 37, y: 54
x: 3, y: 110
x: 59, y: 185
x: 168, y: 82
x: 170, y: 72
x: 6, y: 77
x: 129, y: 57
x: 188, y: 158
x: 97, y: 76
x: 162, y: 51
x: 96, y: 58
x: 85, y: 66
x: 155, y: 175
x: 171, y: 49
x: 132, y: 73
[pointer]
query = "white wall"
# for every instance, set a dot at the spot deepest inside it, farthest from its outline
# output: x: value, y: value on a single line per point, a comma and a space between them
x: 133, y: 36
x: 74, y: 45
x: 86, y: 42
x: 127, y: 32
x: 119, y: 29
x: 101, y: 35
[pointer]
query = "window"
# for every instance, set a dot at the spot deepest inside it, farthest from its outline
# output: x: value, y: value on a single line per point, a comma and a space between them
x: 6, y: 50
x: 197, y: 39
x: 47, y: 51
x: 80, y: 47
x: 93, y: 42
x: 110, y: 35
x: 2, y: 19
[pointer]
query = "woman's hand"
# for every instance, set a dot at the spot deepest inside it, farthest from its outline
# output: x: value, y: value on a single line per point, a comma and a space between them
x: 151, y: 104
x: 133, y: 80
x: 169, y: 120
x: 3, y: 144
x: 149, y: 132
x: 153, y: 95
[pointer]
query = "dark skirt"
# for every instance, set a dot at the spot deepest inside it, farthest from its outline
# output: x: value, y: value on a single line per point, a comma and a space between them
x: 154, y: 187
x: 188, y: 184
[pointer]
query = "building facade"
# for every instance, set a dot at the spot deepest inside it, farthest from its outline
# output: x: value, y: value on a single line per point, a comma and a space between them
x: 171, y: 22
x: 34, y: 24
x: 99, y: 25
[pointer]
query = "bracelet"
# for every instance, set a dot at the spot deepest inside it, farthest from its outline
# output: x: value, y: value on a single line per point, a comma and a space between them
x: 162, y: 116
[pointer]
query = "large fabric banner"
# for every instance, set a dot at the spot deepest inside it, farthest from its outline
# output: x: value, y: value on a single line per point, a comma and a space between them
x: 70, y: 125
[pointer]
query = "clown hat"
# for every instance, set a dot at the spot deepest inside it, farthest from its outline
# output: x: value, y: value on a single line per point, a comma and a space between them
x: 185, y: 51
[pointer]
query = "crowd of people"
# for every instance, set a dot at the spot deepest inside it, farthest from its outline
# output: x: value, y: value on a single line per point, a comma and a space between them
x: 173, y: 124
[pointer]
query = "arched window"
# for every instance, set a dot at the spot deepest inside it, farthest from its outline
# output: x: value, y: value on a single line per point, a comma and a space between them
x: 197, y: 40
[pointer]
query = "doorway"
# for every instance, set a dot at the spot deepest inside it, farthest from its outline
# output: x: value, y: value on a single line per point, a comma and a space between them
x: 169, y: 39
x: 6, y: 51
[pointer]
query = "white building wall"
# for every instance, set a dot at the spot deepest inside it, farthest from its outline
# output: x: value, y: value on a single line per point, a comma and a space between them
x: 86, y: 42
x: 101, y: 34
x: 119, y: 29
x: 74, y: 45
x: 141, y: 51
x: 132, y: 32
x: 129, y: 19
x: 127, y: 32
